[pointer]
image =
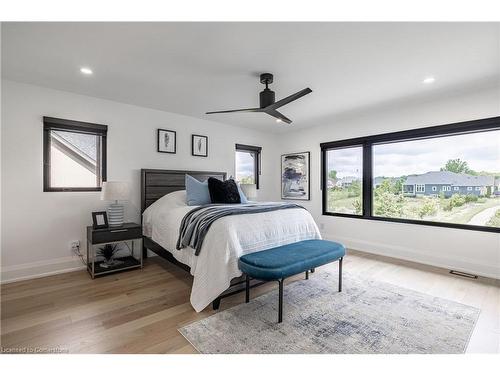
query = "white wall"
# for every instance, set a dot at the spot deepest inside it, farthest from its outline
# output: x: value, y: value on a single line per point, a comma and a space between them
x: 37, y: 226
x: 466, y: 250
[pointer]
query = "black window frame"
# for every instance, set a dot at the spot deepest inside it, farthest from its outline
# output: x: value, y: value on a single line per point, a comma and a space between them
x: 52, y: 123
x: 257, y: 161
x: 474, y: 126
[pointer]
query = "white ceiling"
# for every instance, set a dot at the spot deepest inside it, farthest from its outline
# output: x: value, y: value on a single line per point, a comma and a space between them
x: 191, y: 68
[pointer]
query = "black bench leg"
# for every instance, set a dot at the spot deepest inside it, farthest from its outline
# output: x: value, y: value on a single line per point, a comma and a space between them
x: 247, y: 289
x: 312, y: 270
x: 216, y: 304
x: 307, y: 275
x: 280, y: 304
x: 340, y: 274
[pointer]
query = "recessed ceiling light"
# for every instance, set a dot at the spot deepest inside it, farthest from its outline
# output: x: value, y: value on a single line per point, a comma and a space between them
x: 429, y: 80
x: 86, y: 71
x: 278, y: 120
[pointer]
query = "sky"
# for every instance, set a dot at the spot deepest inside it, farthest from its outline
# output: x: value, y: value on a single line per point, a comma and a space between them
x: 244, y: 164
x: 346, y: 161
x: 480, y: 150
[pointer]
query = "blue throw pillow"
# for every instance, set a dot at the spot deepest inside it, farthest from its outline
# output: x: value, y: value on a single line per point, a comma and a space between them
x: 243, y: 198
x: 196, y: 192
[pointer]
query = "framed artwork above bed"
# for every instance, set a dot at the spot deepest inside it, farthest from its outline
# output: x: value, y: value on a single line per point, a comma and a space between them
x: 296, y: 176
x: 167, y: 141
x: 199, y: 145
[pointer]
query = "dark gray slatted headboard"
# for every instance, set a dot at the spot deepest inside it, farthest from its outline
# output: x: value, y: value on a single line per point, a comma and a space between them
x: 155, y: 183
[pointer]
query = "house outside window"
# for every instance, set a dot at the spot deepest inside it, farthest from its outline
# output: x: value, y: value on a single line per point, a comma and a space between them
x: 469, y: 188
x: 434, y: 188
x: 421, y: 188
x: 74, y: 155
x: 478, y: 188
x: 456, y: 188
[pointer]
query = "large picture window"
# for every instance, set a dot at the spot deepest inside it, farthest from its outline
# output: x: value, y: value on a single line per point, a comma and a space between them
x: 444, y: 175
x: 74, y: 155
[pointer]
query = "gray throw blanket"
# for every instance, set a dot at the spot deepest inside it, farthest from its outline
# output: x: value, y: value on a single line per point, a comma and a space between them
x: 195, y: 225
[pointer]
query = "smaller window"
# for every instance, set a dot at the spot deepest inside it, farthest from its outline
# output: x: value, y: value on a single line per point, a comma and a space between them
x: 469, y: 188
x: 248, y: 164
x: 434, y: 188
x: 456, y: 188
x: 74, y: 155
x: 478, y: 188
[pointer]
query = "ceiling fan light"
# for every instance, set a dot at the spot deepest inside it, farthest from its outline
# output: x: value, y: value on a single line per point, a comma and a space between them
x: 86, y: 71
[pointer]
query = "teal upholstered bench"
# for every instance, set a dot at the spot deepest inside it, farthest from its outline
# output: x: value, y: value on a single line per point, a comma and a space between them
x: 284, y: 261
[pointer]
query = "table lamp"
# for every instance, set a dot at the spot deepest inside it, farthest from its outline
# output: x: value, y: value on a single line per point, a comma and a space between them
x: 115, y: 191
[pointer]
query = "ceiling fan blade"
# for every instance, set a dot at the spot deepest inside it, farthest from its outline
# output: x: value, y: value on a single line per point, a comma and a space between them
x: 237, y: 110
x: 276, y: 114
x: 290, y: 98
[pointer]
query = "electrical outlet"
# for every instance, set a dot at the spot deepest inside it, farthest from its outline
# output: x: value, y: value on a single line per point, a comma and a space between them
x: 75, y: 246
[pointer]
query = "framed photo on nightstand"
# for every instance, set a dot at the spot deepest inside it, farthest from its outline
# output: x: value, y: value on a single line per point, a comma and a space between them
x: 99, y: 220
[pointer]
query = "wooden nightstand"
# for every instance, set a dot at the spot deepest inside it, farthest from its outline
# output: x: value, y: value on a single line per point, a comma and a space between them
x: 127, y: 238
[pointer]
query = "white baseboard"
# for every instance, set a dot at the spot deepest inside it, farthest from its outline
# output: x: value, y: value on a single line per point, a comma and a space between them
x: 43, y: 268
x: 39, y: 269
x: 405, y: 253
x: 56, y: 266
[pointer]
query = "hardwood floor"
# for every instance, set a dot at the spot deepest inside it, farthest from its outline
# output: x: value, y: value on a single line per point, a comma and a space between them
x: 139, y: 311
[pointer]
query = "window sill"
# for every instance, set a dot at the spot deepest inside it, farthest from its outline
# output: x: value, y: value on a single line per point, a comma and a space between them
x: 418, y: 222
x: 71, y: 189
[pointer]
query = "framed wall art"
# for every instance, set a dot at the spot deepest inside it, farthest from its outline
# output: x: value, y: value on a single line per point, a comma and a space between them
x: 295, y: 176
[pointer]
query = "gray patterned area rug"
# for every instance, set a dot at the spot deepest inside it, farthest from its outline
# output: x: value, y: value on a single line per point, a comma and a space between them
x: 366, y: 317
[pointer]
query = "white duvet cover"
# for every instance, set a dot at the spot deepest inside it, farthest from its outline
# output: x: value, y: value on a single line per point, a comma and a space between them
x: 228, y: 239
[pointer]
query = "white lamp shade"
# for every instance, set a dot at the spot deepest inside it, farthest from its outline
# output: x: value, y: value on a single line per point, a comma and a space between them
x: 114, y: 191
x: 250, y: 190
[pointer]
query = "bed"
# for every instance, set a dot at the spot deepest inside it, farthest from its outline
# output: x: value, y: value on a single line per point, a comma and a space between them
x: 215, y: 270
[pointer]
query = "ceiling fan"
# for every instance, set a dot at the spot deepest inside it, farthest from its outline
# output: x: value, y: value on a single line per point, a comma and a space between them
x: 267, y: 102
